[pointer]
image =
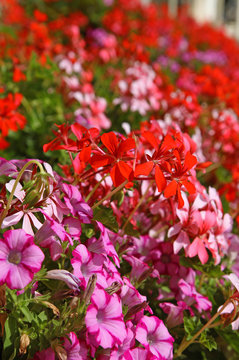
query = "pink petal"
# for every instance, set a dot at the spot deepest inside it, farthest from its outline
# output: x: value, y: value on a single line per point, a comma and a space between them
x: 18, y: 277
x: 234, y: 280
x: 32, y: 257
x: 12, y: 219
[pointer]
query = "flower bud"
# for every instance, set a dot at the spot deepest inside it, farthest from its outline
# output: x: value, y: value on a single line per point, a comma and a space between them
x: 113, y: 288
x: 90, y: 288
x: 24, y: 343
x: 134, y: 310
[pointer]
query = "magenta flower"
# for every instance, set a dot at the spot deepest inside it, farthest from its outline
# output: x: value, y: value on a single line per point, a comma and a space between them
x: 104, y: 319
x: 47, y: 354
x: 75, y: 203
x: 154, y: 336
x: 85, y: 264
x: 20, y: 258
x: 75, y: 350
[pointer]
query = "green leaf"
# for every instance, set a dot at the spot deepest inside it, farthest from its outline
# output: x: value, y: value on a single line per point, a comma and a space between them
x: 223, y: 175
x: 209, y: 269
x: 208, y: 341
x: 119, y: 197
x: 231, y: 338
x: 129, y: 230
x: 106, y: 217
x: 11, y: 337
x: 27, y: 313
x: 191, y: 326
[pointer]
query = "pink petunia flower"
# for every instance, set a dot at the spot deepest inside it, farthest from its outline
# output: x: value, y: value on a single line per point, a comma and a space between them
x: 20, y: 258
x: 154, y: 336
x: 104, y: 319
x: 75, y: 350
x: 85, y: 264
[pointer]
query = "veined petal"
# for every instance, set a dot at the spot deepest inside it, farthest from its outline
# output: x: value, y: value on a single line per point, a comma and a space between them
x: 171, y: 189
x: 160, y: 179
x: 110, y: 141
x: 144, y: 169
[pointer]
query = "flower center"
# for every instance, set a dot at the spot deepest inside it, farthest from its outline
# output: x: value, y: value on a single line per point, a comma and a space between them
x: 14, y: 257
x: 100, y: 315
x: 151, y: 338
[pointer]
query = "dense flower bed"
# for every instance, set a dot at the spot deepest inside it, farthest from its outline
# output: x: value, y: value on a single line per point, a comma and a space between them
x: 119, y: 204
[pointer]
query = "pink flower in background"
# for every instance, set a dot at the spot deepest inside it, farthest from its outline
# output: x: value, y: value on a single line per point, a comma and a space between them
x: 191, y: 297
x: 47, y: 354
x: 154, y: 336
x: 104, y: 319
x: 75, y: 203
x: 20, y: 258
x: 175, y: 312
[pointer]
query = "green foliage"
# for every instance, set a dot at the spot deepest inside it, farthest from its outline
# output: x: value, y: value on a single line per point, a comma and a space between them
x: 106, y: 217
x: 191, y: 326
x: 208, y: 341
x: 209, y: 269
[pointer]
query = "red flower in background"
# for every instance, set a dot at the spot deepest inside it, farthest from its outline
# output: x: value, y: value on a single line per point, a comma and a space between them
x: 10, y: 119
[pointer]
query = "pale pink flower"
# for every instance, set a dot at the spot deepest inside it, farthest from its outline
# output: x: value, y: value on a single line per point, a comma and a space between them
x: 154, y: 336
x: 25, y: 214
x: 20, y: 258
x: 63, y: 275
x: 231, y: 307
x: 104, y: 319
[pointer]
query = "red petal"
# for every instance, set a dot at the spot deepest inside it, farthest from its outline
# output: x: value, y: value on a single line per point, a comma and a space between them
x: 78, y: 165
x: 189, y: 186
x: 125, y: 146
x: 77, y: 130
x: 99, y: 160
x: 85, y: 154
x: 190, y: 161
x: 52, y: 145
x: 110, y: 141
x: 160, y: 179
x: 116, y: 176
x: 144, y: 169
x: 151, y: 139
x: 204, y: 165
x: 180, y: 199
x: 125, y: 170
x: 168, y: 142
x: 171, y: 189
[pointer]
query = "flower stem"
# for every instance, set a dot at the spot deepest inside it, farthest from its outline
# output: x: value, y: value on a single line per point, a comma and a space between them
x: 4, y: 213
x: 95, y: 188
x: 138, y: 205
x: 111, y: 193
x: 185, y: 343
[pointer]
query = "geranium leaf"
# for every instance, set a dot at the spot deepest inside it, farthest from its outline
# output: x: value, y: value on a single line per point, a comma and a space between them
x: 106, y: 217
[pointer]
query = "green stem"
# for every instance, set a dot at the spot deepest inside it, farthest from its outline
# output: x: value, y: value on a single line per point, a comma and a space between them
x: 111, y: 193
x: 95, y: 188
x: 137, y: 206
x: 185, y: 343
x: 4, y: 213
